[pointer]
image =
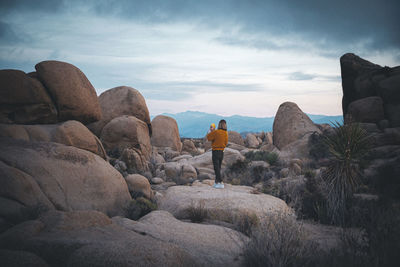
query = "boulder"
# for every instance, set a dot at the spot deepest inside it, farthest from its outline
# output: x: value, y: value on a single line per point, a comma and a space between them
x: 189, y: 147
x: 235, y: 146
x: 138, y: 184
x: 205, y: 160
x: 24, y: 100
x: 90, y: 238
x: 366, y: 110
x: 11, y: 258
x: 291, y: 124
x: 355, y: 80
x: 165, y: 133
x: 119, y: 101
x: 134, y: 160
x: 235, y: 137
x: 363, y: 79
x: 126, y: 132
x: 180, y: 172
x: 55, y: 176
x: 73, y: 94
x: 225, y: 204
x: 210, y: 245
x: 70, y: 133
x: 251, y: 141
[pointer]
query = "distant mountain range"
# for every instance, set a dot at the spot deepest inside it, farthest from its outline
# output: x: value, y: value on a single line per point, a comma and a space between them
x: 195, y: 124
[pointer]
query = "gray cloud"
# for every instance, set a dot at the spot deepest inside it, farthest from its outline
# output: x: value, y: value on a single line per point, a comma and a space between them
x: 327, y: 24
x: 301, y: 76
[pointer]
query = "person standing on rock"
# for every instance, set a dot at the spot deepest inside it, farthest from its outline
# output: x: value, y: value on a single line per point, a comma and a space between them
x: 219, y: 140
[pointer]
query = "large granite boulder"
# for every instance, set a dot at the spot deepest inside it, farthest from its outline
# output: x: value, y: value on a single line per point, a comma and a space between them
x: 54, y: 176
x: 73, y: 94
x: 126, y: 132
x: 251, y: 141
x: 205, y: 160
x: 235, y: 137
x: 210, y: 245
x: 165, y: 133
x: 138, y: 184
x: 366, y: 110
x: 291, y: 124
x: 119, y: 101
x: 24, y: 100
x: 362, y: 79
x: 225, y: 204
x: 90, y: 238
x: 70, y: 133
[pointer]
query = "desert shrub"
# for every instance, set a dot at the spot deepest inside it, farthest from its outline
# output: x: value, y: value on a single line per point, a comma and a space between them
x: 260, y: 174
x: 313, y: 201
x: 197, y: 213
x: 239, y: 166
x: 318, y: 147
x: 347, y: 146
x: 270, y: 157
x: 278, y: 241
x: 139, y: 207
x: 245, y: 222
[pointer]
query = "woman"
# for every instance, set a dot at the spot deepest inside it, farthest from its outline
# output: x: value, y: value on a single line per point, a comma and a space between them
x: 219, y: 140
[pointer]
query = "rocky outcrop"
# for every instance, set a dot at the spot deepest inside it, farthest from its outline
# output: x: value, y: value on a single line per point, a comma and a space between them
x: 24, y: 100
x: 362, y: 79
x: 72, y: 93
x: 205, y: 159
x: 70, y: 133
x: 366, y: 110
x: 252, y: 141
x: 90, y: 238
x: 189, y: 147
x: 54, y: 176
x: 165, y: 133
x: 210, y: 245
x: 119, y: 101
x: 291, y: 124
x: 235, y: 137
x: 232, y: 201
x: 126, y: 132
x: 139, y: 185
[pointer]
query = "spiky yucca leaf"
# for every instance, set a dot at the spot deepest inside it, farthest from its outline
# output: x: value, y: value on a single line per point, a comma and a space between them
x: 347, y: 146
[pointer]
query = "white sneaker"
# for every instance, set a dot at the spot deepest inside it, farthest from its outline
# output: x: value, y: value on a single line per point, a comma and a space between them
x: 216, y: 185
x: 221, y: 185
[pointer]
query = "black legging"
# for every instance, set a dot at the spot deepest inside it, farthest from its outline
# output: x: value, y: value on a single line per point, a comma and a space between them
x: 217, y: 157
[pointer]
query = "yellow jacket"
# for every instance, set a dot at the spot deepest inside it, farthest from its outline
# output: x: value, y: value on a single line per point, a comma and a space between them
x: 218, y: 138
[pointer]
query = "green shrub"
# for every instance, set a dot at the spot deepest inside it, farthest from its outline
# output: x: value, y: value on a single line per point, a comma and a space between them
x: 197, y: 213
x: 139, y: 207
x: 347, y: 146
x: 239, y: 166
x: 270, y: 157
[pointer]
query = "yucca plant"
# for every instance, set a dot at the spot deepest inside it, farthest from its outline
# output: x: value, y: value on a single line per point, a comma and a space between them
x: 347, y: 146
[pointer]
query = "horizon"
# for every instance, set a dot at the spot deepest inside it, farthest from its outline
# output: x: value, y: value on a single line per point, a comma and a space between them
x: 308, y: 114
x: 223, y: 57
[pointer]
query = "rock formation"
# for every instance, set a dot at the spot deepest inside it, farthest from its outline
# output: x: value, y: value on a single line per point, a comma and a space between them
x: 55, y: 176
x: 291, y: 124
x: 74, y: 96
x: 166, y: 133
x: 71, y: 133
x: 119, y: 101
x: 362, y: 79
x: 24, y: 100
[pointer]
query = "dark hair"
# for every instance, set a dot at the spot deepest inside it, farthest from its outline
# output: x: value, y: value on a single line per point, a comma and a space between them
x: 222, y: 125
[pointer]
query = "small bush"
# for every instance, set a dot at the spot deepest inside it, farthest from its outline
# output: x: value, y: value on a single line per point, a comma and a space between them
x: 197, y: 213
x: 270, y: 157
x: 279, y: 241
x: 239, y: 166
x: 246, y: 222
x: 139, y: 207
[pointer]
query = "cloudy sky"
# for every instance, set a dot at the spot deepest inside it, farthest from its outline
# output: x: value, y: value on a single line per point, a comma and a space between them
x: 226, y: 57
